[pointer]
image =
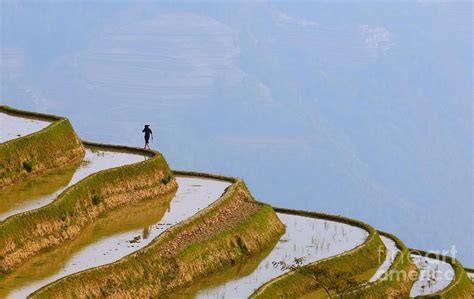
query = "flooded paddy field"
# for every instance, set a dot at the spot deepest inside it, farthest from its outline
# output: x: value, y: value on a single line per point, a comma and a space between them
x: 43, y: 190
x: 434, y: 275
x: 113, y: 236
x: 12, y: 127
x: 311, y: 238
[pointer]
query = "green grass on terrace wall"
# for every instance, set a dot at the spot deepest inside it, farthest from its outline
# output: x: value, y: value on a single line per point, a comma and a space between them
x: 145, y: 270
x: 75, y: 202
x: 51, y: 148
x: 357, y: 260
x: 460, y: 286
x: 29, y: 114
x: 401, y: 264
x: 207, y: 175
x: 257, y: 225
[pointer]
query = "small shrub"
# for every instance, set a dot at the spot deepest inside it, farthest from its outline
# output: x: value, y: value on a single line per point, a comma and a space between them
x: 167, y: 179
x: 96, y: 199
x: 28, y: 166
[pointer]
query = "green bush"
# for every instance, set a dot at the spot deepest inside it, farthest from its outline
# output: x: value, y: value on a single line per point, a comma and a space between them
x: 28, y: 166
x: 166, y: 179
x: 96, y: 199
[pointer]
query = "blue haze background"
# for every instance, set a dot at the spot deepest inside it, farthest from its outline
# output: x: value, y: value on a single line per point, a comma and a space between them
x: 363, y: 110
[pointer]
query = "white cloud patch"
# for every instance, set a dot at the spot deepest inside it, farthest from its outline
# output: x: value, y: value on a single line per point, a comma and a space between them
x: 377, y: 39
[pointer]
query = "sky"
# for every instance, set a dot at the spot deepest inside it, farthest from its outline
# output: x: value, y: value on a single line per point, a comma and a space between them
x: 360, y: 109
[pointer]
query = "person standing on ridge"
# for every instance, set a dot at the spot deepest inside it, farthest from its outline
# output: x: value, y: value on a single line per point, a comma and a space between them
x: 147, y: 132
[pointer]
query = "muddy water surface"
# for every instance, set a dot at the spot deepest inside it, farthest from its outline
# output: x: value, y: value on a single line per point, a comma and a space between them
x: 12, y: 127
x: 113, y: 236
x: 311, y: 238
x: 43, y: 190
x: 434, y: 276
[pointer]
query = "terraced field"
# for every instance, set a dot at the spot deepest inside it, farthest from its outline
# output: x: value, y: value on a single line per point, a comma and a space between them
x: 435, y: 275
x: 40, y: 192
x: 311, y: 238
x: 14, y: 127
x: 118, y: 223
x: 114, y: 236
x: 392, y: 252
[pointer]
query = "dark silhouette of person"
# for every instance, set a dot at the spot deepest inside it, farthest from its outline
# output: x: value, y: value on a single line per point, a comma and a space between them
x: 148, y: 133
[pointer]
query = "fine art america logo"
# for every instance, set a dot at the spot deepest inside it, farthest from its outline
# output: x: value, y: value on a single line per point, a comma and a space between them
x: 428, y: 263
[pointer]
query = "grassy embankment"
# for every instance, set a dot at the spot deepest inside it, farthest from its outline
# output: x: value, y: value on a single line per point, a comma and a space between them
x: 358, y: 260
x: 397, y: 281
x: 24, y: 235
x: 460, y: 286
x: 470, y: 271
x: 53, y: 147
x: 232, y: 229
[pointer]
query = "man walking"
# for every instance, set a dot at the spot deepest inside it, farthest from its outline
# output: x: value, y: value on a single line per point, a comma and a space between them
x: 147, y: 132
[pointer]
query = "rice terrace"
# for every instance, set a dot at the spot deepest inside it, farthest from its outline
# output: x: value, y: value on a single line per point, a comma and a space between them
x: 236, y: 149
x: 69, y: 230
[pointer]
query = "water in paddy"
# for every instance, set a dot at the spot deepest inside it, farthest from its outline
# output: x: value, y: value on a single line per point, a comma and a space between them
x: 434, y: 276
x: 43, y: 190
x: 113, y: 236
x: 392, y: 251
x: 12, y: 127
x: 311, y: 238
